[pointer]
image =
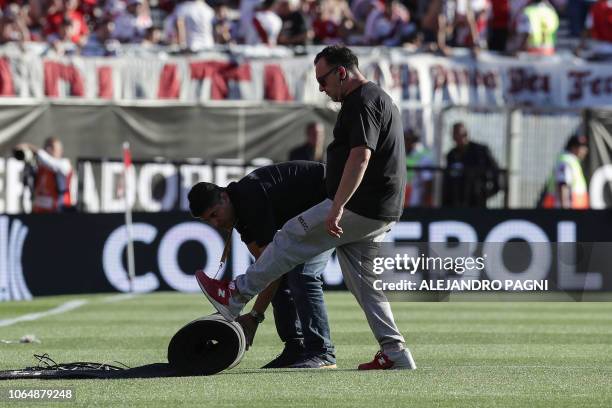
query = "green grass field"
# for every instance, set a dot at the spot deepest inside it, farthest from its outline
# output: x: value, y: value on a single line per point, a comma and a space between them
x: 468, y: 354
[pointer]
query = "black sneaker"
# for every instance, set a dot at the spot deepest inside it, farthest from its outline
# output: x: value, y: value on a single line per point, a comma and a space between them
x: 314, y: 362
x: 292, y: 353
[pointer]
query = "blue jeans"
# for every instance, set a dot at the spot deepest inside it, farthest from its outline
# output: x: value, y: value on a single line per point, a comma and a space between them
x: 299, y: 308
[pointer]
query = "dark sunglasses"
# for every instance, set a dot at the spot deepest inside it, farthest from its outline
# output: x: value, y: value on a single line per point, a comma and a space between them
x: 321, y: 79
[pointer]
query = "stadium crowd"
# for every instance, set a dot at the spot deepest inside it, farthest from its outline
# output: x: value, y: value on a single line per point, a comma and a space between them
x: 97, y: 28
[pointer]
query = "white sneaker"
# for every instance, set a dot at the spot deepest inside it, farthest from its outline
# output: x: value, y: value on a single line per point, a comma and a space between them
x: 402, y: 360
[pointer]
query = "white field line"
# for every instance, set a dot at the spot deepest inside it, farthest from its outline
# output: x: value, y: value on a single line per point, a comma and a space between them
x: 63, y: 308
x: 547, y: 367
x: 119, y: 297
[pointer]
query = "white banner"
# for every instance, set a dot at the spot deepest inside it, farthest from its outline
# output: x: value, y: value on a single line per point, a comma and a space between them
x: 489, y: 80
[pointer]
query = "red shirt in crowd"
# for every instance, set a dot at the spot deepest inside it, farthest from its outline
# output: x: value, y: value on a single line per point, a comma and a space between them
x: 601, y: 13
x: 500, y: 14
x: 325, y: 29
x: 54, y: 21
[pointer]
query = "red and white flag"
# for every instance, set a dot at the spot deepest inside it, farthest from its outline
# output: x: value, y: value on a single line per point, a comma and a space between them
x: 127, y: 155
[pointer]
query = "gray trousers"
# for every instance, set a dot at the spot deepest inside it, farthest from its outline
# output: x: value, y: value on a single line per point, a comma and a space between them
x: 305, y: 236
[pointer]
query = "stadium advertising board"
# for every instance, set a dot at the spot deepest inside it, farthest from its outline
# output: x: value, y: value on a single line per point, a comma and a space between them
x: 86, y: 253
x: 599, y: 129
x: 152, y: 186
x: 100, y: 186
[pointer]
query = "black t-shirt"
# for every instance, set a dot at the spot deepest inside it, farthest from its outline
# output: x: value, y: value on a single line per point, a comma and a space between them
x: 471, y: 176
x: 294, y: 24
x: 370, y: 118
x: 270, y: 196
x: 303, y: 152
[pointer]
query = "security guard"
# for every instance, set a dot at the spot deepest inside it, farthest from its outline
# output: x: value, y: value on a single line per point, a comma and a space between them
x: 567, y: 186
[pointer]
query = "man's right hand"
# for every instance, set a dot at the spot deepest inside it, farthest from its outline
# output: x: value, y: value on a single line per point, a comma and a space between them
x: 249, y: 325
x: 333, y: 220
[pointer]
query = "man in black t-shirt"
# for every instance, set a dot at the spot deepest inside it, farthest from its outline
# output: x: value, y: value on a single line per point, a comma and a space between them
x: 313, y: 149
x: 295, y: 29
x: 257, y: 206
x: 367, y: 122
x: 365, y: 182
x: 472, y: 174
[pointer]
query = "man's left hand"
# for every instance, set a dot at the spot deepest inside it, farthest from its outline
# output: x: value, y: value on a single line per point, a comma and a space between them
x: 249, y: 326
x: 333, y: 221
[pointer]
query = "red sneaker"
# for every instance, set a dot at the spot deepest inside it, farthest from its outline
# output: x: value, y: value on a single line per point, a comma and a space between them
x: 218, y: 293
x: 398, y: 360
x: 380, y: 362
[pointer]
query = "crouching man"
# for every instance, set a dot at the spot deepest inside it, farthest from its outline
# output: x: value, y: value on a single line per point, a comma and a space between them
x: 257, y: 206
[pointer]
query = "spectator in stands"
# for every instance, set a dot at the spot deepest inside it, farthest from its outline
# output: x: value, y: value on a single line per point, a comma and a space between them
x: 191, y: 25
x: 361, y: 10
x: 132, y: 23
x: 567, y: 187
x: 516, y: 10
x: 112, y: 8
x: 265, y: 26
x: 223, y: 27
x: 461, y: 23
x: 324, y: 29
x: 498, y: 30
x: 100, y: 43
x: 91, y: 11
x: 33, y: 13
x: 428, y: 23
x: 61, y: 11
x: 13, y: 26
x: 61, y: 41
x: 577, y: 12
x: 53, y: 16
x: 388, y: 26
x: 599, y: 31
x: 537, y: 27
x: 471, y: 175
x: 309, y: 7
x: 419, y: 163
x: 53, y: 173
x: 295, y: 29
x: 313, y: 149
x: 152, y: 37
x: 247, y: 11
x: 415, y: 8
x: 166, y: 6
x: 331, y: 20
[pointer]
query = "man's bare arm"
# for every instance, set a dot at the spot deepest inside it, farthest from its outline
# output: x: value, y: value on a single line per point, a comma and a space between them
x: 181, y: 32
x: 354, y: 169
x: 565, y: 195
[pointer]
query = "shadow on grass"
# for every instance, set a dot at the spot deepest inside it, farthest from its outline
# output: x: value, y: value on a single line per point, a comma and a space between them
x: 156, y: 370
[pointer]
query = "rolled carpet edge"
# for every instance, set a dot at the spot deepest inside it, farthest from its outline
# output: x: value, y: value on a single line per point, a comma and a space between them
x: 207, y: 346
